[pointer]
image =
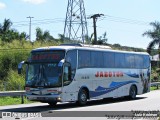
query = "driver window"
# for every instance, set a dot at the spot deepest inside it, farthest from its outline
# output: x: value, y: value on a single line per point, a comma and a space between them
x: 67, y: 75
x: 66, y: 71
x: 31, y: 72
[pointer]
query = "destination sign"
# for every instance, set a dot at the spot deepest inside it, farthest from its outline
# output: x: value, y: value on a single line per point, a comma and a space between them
x: 47, y: 56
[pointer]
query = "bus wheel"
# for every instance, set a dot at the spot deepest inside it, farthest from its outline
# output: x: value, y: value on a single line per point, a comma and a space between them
x: 132, y: 92
x: 82, y: 97
x: 52, y: 103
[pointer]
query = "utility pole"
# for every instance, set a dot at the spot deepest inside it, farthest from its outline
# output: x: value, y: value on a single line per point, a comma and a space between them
x: 95, y: 17
x: 30, y: 27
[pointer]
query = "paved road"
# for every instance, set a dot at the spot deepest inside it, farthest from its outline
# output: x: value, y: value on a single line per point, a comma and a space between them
x: 145, y: 102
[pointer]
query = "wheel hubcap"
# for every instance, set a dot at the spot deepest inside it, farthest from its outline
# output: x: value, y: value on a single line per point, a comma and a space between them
x: 133, y: 92
x: 83, y: 97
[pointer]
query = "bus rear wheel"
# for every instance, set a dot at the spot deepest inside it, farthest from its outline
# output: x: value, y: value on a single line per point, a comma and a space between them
x: 82, y: 97
x: 132, y: 92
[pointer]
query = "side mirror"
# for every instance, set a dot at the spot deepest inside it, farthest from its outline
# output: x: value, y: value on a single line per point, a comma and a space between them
x: 20, y: 67
x: 60, y: 64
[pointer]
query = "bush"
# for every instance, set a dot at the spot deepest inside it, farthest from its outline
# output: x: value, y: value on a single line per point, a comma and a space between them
x: 9, y: 60
x: 12, y: 82
x: 15, y: 81
x: 155, y: 75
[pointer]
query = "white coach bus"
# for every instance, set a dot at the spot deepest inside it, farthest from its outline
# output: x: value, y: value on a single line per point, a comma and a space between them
x: 77, y: 74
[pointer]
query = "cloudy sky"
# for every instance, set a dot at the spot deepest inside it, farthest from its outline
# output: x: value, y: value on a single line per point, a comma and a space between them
x: 125, y: 21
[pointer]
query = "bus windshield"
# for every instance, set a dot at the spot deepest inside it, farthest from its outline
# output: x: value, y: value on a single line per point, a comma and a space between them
x: 43, y: 75
x: 43, y: 69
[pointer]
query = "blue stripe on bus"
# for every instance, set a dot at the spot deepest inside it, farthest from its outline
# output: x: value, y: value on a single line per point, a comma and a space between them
x: 113, y: 86
x: 132, y: 75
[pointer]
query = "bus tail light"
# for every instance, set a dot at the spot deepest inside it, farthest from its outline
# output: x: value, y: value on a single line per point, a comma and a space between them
x: 27, y: 88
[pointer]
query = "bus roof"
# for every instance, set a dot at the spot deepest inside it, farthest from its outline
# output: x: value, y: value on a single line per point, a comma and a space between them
x: 86, y: 47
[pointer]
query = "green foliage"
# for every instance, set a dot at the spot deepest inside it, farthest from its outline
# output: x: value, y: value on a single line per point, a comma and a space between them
x: 154, y: 88
x: 155, y: 75
x: 9, y: 60
x: 12, y: 101
x: 126, y: 48
x: 102, y: 40
x: 154, y: 34
x: 43, y: 36
x: 6, y: 33
x: 15, y: 81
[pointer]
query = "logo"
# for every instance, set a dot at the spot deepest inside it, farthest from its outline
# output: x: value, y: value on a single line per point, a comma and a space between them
x: 6, y: 115
x: 20, y: 115
x: 109, y: 74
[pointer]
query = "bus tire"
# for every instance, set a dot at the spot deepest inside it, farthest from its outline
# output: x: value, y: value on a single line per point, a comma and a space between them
x: 132, y: 92
x: 82, y: 97
x: 52, y: 104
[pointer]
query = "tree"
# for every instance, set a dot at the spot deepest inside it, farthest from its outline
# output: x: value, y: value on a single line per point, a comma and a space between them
x: 39, y: 34
x: 6, y: 26
x: 43, y: 36
x: 88, y: 39
x: 6, y: 33
x: 64, y: 39
x: 5, y: 30
x: 102, y: 40
x: 24, y: 36
x: 47, y: 36
x: 155, y: 36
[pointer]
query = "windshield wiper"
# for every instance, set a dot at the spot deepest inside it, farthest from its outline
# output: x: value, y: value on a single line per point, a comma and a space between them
x: 42, y: 79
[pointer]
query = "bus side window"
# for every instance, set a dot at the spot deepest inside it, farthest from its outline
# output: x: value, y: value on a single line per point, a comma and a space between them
x: 71, y: 58
x: 96, y: 59
x: 109, y: 59
x: 138, y: 61
x: 120, y: 60
x: 146, y: 61
x: 84, y: 59
x: 130, y: 60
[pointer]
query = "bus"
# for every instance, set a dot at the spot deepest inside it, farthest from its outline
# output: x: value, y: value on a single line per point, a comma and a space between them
x: 78, y: 73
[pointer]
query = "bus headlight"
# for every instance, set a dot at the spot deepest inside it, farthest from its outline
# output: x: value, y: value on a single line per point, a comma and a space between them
x: 58, y: 99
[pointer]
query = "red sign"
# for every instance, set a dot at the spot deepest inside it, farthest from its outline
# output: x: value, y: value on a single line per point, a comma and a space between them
x: 109, y: 74
x: 53, y: 56
x: 45, y: 56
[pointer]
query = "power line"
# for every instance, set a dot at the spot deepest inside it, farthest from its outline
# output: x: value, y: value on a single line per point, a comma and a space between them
x: 124, y: 20
x: 59, y: 20
x: 37, y: 22
x: 40, y: 20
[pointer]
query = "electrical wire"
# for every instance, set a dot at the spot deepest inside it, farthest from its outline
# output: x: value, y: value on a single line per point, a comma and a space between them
x: 123, y: 20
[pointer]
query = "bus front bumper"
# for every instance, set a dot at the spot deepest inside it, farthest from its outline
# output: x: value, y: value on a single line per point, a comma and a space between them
x: 44, y: 98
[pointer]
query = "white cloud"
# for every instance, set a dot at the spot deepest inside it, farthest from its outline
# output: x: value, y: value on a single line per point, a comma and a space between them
x: 2, y: 5
x: 35, y: 1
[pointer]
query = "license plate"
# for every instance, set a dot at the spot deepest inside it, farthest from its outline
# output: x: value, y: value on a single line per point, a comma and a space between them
x: 40, y: 98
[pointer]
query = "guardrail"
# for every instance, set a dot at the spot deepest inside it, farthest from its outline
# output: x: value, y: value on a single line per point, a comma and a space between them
x: 155, y: 84
x: 14, y: 93
x: 22, y: 93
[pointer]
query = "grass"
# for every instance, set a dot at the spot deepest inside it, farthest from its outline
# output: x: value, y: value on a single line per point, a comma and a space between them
x: 154, y: 88
x: 12, y: 101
